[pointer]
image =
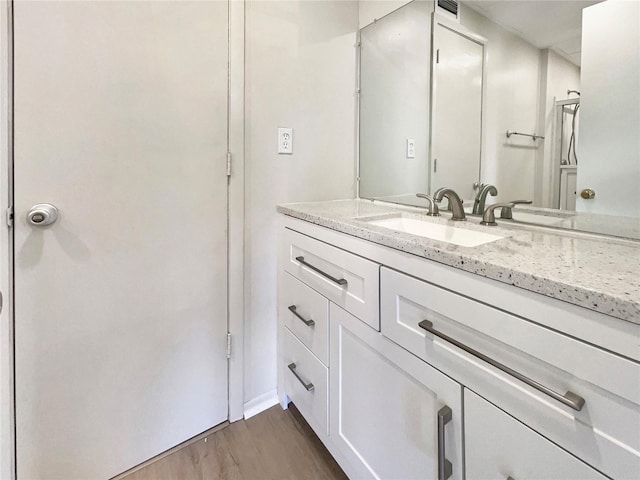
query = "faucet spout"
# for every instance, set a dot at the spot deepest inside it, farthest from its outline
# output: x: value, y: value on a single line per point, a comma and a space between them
x: 454, y: 202
x: 481, y: 198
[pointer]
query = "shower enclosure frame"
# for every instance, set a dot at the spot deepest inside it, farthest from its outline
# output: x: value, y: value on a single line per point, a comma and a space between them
x: 558, y: 145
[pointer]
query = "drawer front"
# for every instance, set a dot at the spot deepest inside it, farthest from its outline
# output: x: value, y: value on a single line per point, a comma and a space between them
x: 306, y: 382
x: 306, y: 314
x: 500, y: 447
x: 346, y: 279
x: 604, y: 432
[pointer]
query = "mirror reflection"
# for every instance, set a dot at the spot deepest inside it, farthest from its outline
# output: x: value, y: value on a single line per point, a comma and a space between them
x: 487, y: 101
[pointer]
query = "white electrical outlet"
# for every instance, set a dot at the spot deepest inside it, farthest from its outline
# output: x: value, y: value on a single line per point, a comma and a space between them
x: 411, y: 148
x: 285, y: 141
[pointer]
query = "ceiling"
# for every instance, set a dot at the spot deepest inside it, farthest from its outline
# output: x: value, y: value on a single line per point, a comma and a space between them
x: 554, y: 24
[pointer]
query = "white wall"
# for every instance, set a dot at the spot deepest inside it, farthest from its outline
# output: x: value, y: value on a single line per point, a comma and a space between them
x: 300, y: 73
x: 608, y: 145
x: 371, y: 10
x: 557, y: 75
x: 394, y: 104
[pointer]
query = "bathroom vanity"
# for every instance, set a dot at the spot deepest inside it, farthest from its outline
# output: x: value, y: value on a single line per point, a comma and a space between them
x: 412, y: 356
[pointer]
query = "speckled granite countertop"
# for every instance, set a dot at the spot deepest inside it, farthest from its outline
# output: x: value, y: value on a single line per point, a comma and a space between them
x: 598, y: 273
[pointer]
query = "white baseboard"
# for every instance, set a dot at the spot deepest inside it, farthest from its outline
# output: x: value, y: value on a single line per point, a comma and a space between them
x: 260, y: 404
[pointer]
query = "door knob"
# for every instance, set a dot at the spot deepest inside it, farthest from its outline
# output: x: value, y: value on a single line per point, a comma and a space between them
x: 587, y: 194
x: 42, y: 214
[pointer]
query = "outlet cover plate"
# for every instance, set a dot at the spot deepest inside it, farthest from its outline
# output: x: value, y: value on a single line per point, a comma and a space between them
x: 411, y: 148
x: 285, y: 141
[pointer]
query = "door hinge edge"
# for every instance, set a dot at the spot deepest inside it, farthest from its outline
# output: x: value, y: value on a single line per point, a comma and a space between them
x: 228, y: 345
x: 10, y: 217
x: 228, y: 164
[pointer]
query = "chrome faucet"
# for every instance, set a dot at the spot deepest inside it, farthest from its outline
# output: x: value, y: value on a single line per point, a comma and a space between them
x: 455, y: 204
x: 432, y: 209
x: 481, y: 198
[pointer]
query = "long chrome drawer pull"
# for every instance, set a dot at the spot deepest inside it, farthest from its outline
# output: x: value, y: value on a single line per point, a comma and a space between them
x: 445, y: 469
x: 569, y: 399
x: 308, y: 323
x: 339, y: 281
x: 309, y: 386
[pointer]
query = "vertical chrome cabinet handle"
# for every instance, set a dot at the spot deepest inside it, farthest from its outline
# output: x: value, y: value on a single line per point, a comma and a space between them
x: 308, y: 386
x: 308, y: 323
x: 445, y: 469
x: 340, y: 281
x: 42, y: 214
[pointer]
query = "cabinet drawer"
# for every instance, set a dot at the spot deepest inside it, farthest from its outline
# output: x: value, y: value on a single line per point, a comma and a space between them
x: 346, y: 279
x: 306, y: 382
x: 306, y: 314
x: 604, y: 431
x: 500, y: 447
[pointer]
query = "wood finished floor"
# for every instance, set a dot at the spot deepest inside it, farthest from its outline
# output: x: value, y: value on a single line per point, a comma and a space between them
x: 276, y: 444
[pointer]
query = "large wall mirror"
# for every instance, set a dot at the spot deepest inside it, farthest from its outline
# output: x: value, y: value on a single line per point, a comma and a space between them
x: 504, y: 95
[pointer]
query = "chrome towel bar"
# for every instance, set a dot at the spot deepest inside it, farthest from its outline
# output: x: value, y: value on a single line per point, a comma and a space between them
x: 534, y: 136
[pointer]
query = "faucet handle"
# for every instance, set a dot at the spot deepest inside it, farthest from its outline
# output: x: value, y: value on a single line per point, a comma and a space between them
x: 489, y: 218
x: 432, y: 208
x: 507, y: 213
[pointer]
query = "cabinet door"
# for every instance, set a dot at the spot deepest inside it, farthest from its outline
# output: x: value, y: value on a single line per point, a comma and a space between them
x: 385, y: 405
x: 498, y: 446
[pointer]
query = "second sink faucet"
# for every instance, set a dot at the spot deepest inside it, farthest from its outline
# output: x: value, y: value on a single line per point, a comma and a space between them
x: 481, y: 198
x: 455, y: 204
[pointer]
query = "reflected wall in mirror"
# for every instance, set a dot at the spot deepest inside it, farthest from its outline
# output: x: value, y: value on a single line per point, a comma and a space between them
x: 531, y: 85
x: 395, y: 87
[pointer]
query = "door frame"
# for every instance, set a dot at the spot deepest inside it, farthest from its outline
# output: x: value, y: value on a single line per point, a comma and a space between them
x: 455, y: 27
x: 7, y: 415
x: 235, y: 224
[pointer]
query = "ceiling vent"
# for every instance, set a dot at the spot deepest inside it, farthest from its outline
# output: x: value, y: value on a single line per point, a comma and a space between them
x: 449, y: 8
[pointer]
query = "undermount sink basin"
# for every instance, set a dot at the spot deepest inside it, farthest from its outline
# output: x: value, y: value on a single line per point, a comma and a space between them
x: 435, y: 231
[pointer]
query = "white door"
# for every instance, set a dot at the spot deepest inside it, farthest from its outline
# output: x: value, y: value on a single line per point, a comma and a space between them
x: 457, y: 112
x: 121, y: 123
x: 608, y: 147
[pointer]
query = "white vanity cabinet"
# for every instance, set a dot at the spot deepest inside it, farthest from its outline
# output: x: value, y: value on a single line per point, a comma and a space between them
x: 392, y: 415
x: 533, y: 387
x: 580, y: 396
x: 500, y: 447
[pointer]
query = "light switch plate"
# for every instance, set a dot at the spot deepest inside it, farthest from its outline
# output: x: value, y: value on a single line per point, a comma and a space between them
x: 285, y: 141
x: 411, y: 148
